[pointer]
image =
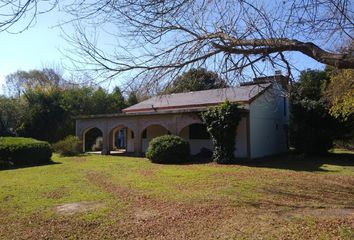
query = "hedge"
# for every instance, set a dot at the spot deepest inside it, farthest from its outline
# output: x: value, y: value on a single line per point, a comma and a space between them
x: 168, y: 149
x: 17, y: 151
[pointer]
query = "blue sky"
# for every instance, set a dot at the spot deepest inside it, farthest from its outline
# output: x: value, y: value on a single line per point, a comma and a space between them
x: 41, y: 46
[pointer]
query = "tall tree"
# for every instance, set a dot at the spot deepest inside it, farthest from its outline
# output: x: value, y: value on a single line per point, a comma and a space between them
x: 340, y: 97
x: 45, y: 79
x: 45, y: 118
x: 163, y: 38
x: 340, y: 93
x: 196, y: 80
x: 312, y: 128
x: 132, y: 99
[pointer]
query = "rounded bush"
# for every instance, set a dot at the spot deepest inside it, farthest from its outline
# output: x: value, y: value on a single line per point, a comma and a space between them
x: 69, y: 146
x: 168, y: 149
x: 16, y: 150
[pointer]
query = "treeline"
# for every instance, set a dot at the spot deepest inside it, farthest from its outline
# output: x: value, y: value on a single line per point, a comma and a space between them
x: 42, y: 105
x: 322, y: 110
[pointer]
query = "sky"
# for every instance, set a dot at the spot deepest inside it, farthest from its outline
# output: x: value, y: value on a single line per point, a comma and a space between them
x: 42, y: 46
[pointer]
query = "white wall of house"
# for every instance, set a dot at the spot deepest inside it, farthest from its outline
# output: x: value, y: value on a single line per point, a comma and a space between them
x: 152, y: 132
x: 267, y: 123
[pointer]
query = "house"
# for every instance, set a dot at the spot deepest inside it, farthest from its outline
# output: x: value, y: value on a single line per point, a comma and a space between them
x: 262, y: 131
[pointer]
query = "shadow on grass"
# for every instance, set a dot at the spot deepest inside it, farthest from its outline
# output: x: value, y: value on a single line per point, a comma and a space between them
x: 297, y: 162
x: 190, y: 161
x: 4, y: 167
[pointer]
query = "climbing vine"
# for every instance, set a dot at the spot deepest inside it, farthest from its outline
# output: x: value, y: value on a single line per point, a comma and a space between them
x: 221, y: 122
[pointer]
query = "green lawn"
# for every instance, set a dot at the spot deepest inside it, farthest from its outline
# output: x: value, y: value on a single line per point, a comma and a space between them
x: 277, y: 198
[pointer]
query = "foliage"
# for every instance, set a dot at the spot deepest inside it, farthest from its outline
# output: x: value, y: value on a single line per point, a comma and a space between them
x: 222, y: 122
x: 11, y: 111
x: 196, y: 80
x: 312, y: 128
x: 89, y: 101
x: 168, y: 149
x: 69, y: 146
x: 17, y: 151
x: 98, y: 145
x: 340, y: 93
x: 46, y: 104
x: 132, y: 99
x: 45, y: 118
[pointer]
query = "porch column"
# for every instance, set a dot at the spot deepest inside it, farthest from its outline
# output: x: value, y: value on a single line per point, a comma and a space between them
x: 105, y: 142
x: 173, y: 127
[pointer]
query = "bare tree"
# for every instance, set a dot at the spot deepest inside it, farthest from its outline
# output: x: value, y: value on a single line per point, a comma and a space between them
x: 19, y: 82
x: 159, y: 39
x: 17, y: 16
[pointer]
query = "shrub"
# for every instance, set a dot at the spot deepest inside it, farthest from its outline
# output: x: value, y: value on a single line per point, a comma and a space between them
x: 221, y: 122
x: 69, y: 146
x: 16, y: 150
x: 98, y: 146
x: 168, y: 149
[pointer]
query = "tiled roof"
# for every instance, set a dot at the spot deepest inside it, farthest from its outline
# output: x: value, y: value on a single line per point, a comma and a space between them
x: 199, y: 98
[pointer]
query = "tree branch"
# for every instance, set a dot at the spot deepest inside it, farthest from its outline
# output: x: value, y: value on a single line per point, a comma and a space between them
x: 269, y: 46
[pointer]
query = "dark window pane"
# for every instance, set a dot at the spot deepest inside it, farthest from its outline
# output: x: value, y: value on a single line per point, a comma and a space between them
x: 198, y: 131
x: 144, y: 134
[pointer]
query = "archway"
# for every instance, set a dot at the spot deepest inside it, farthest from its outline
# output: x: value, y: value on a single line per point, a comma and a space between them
x: 122, y: 139
x: 150, y: 132
x: 197, y: 136
x: 92, y: 140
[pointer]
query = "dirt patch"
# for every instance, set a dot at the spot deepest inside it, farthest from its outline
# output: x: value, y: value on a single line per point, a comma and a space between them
x: 144, y: 214
x: 77, y: 207
x: 57, y: 194
x: 151, y: 218
x: 323, y: 212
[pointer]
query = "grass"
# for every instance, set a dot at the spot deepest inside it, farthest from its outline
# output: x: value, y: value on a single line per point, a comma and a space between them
x: 293, y: 197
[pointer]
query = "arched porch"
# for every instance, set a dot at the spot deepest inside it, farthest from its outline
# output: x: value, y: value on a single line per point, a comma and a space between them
x: 150, y: 132
x: 92, y: 139
x: 121, y: 139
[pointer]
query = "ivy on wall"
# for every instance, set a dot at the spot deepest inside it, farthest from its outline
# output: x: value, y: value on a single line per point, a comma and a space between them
x: 221, y: 122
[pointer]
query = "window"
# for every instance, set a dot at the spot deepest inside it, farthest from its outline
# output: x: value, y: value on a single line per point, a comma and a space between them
x: 144, y: 134
x: 132, y: 134
x: 285, y: 106
x: 198, y: 131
